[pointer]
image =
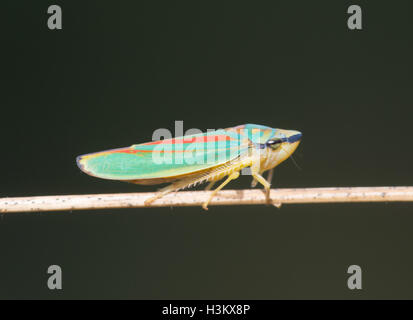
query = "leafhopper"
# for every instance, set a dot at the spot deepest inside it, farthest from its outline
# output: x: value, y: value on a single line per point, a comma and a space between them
x: 193, y: 159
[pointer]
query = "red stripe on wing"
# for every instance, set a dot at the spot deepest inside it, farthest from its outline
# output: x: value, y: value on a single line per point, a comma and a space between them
x: 184, y: 140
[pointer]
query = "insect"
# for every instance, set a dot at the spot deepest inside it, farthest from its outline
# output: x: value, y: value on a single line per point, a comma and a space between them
x: 189, y: 160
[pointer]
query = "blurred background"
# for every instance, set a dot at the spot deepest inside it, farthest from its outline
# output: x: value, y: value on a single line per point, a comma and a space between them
x: 118, y: 71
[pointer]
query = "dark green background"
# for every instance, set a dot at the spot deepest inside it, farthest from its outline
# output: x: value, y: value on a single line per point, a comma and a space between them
x: 118, y: 71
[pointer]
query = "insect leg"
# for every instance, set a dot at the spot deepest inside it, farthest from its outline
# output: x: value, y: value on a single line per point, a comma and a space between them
x: 267, y: 186
x: 170, y: 188
x: 270, y: 174
x: 253, y: 183
x: 210, y: 185
x: 269, y: 178
x: 261, y: 180
x: 232, y: 176
x: 161, y: 193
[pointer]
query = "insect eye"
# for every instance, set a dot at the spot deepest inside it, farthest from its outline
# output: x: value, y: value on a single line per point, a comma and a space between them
x: 274, y: 143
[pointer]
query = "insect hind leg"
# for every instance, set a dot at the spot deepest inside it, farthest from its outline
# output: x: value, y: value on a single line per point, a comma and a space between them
x: 175, y: 186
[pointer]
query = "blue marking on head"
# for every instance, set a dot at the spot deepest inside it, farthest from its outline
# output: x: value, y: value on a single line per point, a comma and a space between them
x: 294, y: 138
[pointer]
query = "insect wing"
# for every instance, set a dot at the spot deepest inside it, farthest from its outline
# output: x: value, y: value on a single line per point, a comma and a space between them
x: 165, y: 158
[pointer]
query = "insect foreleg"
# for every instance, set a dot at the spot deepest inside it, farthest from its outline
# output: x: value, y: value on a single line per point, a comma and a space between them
x: 261, y: 180
x: 253, y: 183
x: 269, y: 176
x: 266, y: 184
